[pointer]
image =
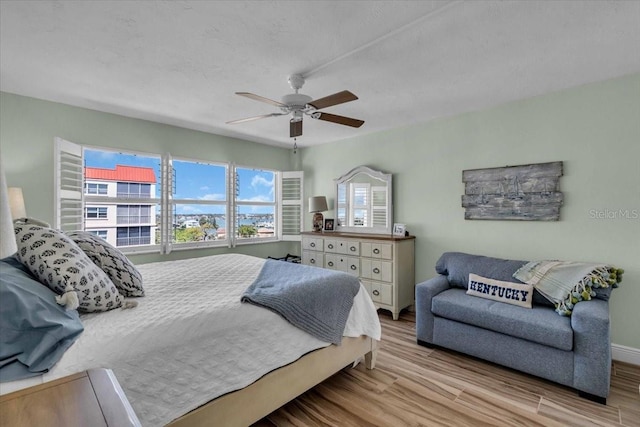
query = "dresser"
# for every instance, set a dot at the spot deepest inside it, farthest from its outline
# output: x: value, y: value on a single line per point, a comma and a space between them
x: 383, y: 263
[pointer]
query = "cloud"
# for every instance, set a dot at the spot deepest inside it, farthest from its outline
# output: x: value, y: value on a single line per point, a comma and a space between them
x: 259, y: 198
x: 258, y: 180
x: 261, y: 181
x: 204, y: 188
x: 213, y: 196
x: 188, y: 209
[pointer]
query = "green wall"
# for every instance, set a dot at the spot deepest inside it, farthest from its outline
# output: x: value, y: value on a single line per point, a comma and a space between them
x: 28, y: 127
x: 593, y: 129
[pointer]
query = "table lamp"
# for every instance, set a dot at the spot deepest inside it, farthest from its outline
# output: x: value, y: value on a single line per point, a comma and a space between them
x: 8, y: 245
x: 317, y: 204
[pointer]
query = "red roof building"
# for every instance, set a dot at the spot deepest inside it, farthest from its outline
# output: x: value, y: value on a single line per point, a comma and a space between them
x: 122, y: 173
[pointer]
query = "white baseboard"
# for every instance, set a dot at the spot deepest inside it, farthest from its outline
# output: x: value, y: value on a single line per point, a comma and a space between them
x: 625, y: 354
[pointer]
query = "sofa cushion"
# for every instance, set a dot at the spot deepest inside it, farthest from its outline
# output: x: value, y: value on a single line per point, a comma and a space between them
x: 457, y: 266
x: 540, y: 324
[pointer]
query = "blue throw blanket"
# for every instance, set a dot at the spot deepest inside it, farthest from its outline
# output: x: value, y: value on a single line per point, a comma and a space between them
x: 316, y: 300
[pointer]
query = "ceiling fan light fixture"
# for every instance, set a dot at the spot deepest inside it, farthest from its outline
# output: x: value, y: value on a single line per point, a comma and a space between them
x: 297, y: 116
x: 294, y: 100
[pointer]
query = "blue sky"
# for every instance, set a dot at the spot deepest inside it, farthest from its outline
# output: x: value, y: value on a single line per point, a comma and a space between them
x: 196, y: 181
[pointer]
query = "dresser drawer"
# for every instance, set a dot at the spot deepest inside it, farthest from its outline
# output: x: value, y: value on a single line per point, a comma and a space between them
x: 381, y: 293
x: 340, y: 262
x: 344, y: 247
x: 313, y: 258
x: 376, y: 250
x: 312, y: 244
x: 377, y: 270
x: 331, y: 246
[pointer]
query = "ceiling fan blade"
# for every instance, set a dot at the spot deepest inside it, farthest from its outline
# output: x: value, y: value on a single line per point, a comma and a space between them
x: 295, y: 129
x: 335, y: 99
x: 261, y: 99
x: 249, y: 119
x: 341, y: 120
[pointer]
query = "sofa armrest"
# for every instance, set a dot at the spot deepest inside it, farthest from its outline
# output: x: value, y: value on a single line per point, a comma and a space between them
x: 592, y: 347
x: 425, y: 292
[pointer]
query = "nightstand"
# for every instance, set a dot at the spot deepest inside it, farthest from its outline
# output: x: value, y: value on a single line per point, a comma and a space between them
x: 90, y: 398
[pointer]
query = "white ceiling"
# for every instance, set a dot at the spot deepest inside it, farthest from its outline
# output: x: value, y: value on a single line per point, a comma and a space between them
x: 180, y: 62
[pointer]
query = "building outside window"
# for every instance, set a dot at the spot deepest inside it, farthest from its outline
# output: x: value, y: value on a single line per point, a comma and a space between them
x: 129, y: 220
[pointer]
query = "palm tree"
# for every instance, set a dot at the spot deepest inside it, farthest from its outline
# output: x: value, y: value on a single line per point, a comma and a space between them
x: 247, y: 230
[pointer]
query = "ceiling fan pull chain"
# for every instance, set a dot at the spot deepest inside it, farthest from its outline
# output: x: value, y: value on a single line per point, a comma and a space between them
x: 295, y: 145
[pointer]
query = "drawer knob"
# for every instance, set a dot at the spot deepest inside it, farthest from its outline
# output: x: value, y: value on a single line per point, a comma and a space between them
x: 330, y: 246
x: 330, y: 263
x: 376, y: 270
x: 353, y: 267
x: 312, y: 244
x: 312, y: 261
x: 352, y: 248
x: 376, y: 251
x: 376, y: 292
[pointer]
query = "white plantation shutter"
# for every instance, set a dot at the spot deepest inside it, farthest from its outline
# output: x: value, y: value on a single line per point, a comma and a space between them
x: 341, y: 201
x: 290, y: 204
x: 360, y: 204
x: 379, y: 206
x: 69, y: 182
x: 166, y: 207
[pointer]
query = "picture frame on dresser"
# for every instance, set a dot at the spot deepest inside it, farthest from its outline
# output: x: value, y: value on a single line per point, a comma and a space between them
x: 329, y: 225
x: 399, y: 229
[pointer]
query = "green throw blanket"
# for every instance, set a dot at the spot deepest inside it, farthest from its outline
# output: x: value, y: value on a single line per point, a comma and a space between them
x: 566, y: 283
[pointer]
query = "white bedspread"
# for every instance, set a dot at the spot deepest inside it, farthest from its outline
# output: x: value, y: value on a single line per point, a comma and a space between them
x: 191, y: 340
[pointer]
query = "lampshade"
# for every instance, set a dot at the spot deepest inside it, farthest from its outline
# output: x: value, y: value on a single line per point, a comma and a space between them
x: 8, y: 245
x: 318, y: 204
x: 16, y: 203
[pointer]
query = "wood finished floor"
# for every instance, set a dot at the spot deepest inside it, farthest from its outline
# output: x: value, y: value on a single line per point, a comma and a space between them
x: 417, y: 386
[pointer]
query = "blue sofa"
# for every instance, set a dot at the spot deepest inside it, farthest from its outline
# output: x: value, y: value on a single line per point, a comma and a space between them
x: 574, y: 351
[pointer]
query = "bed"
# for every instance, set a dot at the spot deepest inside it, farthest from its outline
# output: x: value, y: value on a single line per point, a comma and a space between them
x: 192, y: 354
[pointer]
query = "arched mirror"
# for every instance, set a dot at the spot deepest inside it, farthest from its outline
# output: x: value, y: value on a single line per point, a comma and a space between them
x: 363, y: 201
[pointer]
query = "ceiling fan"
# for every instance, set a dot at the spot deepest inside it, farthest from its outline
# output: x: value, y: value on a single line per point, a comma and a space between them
x: 298, y: 104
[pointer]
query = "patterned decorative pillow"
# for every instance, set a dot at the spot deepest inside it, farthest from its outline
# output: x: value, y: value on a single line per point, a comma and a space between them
x: 120, y: 270
x: 519, y: 294
x: 56, y: 261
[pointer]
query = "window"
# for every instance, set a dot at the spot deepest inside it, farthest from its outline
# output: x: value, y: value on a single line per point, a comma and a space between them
x: 199, y: 203
x: 94, y: 188
x: 255, y: 204
x: 163, y: 203
x: 134, y: 214
x: 133, y: 190
x: 95, y: 213
x: 100, y: 233
x: 133, y: 236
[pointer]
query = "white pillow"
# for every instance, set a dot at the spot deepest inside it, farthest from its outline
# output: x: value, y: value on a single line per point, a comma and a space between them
x: 56, y: 261
x: 120, y: 270
x: 520, y: 294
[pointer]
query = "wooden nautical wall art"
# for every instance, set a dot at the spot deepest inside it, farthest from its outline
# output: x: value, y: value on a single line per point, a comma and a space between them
x: 525, y: 193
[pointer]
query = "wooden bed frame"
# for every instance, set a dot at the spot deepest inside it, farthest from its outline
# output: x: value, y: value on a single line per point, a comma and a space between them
x: 250, y: 404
